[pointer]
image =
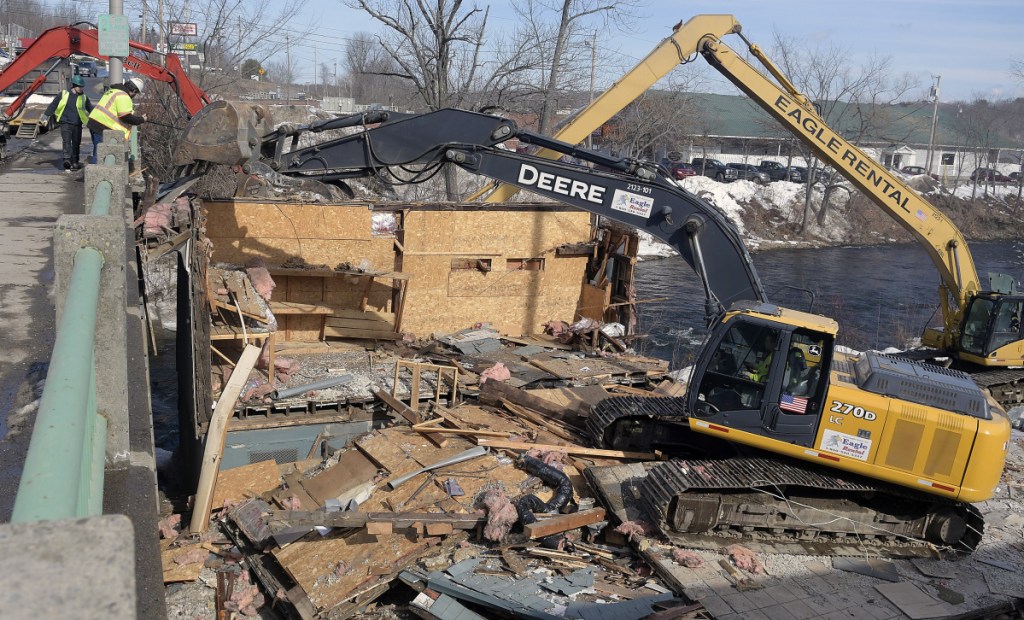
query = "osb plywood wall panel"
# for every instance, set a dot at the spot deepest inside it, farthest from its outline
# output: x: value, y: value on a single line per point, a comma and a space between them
x: 319, y: 234
x: 510, y: 233
x: 514, y: 302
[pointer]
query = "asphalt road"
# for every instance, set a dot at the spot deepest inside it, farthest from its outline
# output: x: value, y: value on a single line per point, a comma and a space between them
x: 34, y: 191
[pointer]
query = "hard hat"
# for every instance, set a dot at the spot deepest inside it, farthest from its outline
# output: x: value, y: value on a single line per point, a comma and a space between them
x: 136, y: 82
x: 77, y: 81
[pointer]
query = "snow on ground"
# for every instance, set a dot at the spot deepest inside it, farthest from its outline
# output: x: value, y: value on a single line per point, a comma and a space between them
x: 732, y: 199
x: 45, y: 99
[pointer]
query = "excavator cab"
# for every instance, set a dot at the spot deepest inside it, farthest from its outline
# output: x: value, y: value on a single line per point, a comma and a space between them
x: 992, y: 322
x: 762, y: 372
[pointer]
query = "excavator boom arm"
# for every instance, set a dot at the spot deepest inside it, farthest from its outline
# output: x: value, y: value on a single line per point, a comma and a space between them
x: 671, y: 52
x: 63, y: 41
x: 934, y: 231
x: 627, y: 192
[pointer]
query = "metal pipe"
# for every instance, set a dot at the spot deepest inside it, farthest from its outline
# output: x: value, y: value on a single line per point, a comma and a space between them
x: 115, y: 65
x: 57, y: 482
x: 101, y: 200
x: 472, y: 453
x: 316, y: 385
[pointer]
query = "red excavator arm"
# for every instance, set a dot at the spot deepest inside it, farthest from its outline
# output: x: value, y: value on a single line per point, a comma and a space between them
x: 63, y: 41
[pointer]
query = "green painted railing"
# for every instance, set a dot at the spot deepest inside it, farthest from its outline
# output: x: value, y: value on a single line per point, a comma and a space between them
x: 63, y: 473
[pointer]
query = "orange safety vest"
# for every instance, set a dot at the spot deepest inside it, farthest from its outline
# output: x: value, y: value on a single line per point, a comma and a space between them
x: 110, y: 108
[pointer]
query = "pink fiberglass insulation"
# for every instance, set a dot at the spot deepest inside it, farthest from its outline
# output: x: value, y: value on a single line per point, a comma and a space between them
x: 501, y: 515
x: 246, y: 597
x: 156, y: 220
x: 170, y: 526
x: 548, y: 457
x: 633, y: 529
x: 192, y: 556
x: 686, y: 558
x: 498, y: 372
x: 744, y: 559
x: 260, y: 277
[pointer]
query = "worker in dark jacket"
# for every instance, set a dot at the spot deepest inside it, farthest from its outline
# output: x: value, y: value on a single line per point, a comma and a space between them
x: 71, y: 111
x: 115, y: 111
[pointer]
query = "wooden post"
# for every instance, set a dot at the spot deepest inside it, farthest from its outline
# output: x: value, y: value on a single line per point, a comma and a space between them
x: 216, y: 436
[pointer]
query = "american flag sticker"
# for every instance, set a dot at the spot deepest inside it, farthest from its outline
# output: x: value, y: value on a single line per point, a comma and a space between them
x: 793, y: 403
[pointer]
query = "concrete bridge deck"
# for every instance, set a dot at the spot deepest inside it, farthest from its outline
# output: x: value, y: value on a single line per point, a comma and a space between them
x: 34, y: 192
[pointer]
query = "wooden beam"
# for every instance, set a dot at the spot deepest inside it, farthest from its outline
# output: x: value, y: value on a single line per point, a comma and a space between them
x: 398, y: 520
x: 546, y: 526
x: 216, y: 437
x: 491, y: 392
x: 539, y: 420
x: 575, y: 450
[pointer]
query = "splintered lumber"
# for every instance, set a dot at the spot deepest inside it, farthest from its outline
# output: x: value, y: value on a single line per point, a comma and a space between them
x: 493, y: 391
x: 547, y: 526
x: 401, y: 408
x: 397, y: 520
x: 216, y: 437
x: 539, y: 420
x: 574, y: 450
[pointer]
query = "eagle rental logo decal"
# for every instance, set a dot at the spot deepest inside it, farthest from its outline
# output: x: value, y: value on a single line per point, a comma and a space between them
x: 846, y: 445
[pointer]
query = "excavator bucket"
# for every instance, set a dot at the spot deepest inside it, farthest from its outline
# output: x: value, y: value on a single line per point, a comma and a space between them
x: 225, y: 133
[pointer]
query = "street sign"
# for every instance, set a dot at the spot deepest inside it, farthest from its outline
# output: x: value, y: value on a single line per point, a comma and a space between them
x: 184, y: 47
x: 185, y: 29
x: 113, y: 35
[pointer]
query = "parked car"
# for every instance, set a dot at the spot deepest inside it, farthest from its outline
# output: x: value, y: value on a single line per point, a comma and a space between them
x: 778, y: 172
x: 681, y: 170
x: 1015, y: 177
x: 989, y: 174
x: 714, y: 169
x: 917, y: 171
x: 750, y: 172
x: 87, y: 68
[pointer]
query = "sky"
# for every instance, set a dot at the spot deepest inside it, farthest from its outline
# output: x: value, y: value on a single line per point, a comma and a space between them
x: 969, y: 43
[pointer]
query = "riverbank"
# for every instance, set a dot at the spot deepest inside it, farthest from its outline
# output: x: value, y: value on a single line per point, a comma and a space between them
x: 771, y: 216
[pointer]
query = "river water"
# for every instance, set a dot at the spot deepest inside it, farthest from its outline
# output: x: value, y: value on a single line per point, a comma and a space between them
x: 881, y: 296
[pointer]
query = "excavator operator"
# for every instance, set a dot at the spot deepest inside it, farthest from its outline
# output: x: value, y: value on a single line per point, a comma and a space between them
x: 757, y: 369
x: 115, y: 111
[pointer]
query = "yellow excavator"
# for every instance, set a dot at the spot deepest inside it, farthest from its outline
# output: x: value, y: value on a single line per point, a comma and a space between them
x: 982, y: 328
x: 781, y: 436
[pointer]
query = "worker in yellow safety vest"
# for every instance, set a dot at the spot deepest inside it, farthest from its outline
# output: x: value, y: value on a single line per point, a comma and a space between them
x: 115, y: 111
x: 70, y: 111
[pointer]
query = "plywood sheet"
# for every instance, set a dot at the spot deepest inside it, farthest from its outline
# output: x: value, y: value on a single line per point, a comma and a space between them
x: 244, y: 482
x: 173, y: 571
x: 331, y: 570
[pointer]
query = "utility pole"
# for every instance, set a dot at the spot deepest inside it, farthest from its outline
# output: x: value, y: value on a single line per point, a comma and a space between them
x: 935, y: 116
x: 593, y: 64
x: 142, y: 34
x: 315, y: 69
x: 160, y: 21
x: 238, y: 48
x: 114, y: 65
x: 288, y: 60
x: 336, y: 77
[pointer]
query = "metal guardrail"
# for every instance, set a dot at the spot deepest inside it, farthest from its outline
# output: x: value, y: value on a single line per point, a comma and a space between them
x: 64, y: 469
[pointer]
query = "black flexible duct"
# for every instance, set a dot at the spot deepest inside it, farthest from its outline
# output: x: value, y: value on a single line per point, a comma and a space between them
x: 528, y: 504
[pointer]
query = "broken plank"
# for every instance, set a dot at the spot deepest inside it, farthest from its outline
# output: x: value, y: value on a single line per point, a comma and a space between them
x: 574, y: 450
x: 540, y: 421
x: 399, y: 520
x: 360, y: 334
x: 294, y: 307
x: 491, y: 392
x: 216, y: 437
x: 401, y: 408
x: 563, y: 523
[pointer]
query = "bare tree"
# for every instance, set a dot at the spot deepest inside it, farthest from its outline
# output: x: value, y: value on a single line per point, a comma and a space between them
x: 854, y: 99
x: 434, y: 47
x: 658, y: 120
x: 562, y: 64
